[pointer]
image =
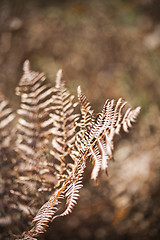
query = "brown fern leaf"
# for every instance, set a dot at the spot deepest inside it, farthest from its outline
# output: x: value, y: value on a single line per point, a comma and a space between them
x: 64, y: 197
x: 129, y: 118
x: 6, y: 133
x: 93, y: 140
x: 6, y: 157
x: 68, y: 192
x: 35, y: 172
x: 6, y: 118
x: 98, y: 137
x: 34, y: 121
x: 63, y: 130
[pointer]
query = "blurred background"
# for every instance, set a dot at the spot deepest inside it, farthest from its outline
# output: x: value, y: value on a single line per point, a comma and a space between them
x: 112, y: 49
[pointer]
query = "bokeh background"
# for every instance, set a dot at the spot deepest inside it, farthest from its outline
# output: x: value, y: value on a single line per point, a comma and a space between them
x: 112, y: 49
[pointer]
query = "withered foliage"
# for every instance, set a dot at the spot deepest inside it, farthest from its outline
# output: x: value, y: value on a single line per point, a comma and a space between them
x: 49, y: 147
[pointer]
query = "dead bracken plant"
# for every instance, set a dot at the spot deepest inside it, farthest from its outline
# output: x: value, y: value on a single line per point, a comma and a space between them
x: 51, y: 145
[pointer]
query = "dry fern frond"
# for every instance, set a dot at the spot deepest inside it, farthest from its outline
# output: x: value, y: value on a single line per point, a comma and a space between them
x: 35, y: 171
x: 47, y: 123
x: 6, y: 157
x: 6, y: 118
x: 63, y: 130
x: 68, y: 192
x: 34, y: 121
x: 93, y: 140
x: 96, y: 141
